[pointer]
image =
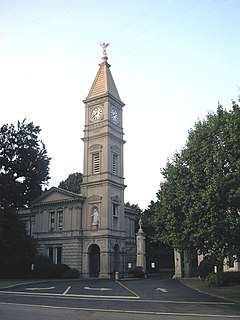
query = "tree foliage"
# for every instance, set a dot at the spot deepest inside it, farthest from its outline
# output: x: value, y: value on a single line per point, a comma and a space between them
x: 72, y: 183
x: 132, y: 206
x: 156, y: 250
x: 17, y: 250
x: 24, y: 167
x: 24, y: 164
x: 199, y: 199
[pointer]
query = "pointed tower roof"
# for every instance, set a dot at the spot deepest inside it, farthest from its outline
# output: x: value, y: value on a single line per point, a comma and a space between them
x: 103, y: 83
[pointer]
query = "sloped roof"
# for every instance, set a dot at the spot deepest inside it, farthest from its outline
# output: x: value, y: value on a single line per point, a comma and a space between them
x: 103, y: 83
x: 57, y: 195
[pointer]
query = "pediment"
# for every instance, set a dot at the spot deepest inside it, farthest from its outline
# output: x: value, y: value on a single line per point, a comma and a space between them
x: 57, y: 195
x: 94, y: 198
x: 95, y: 147
x: 116, y: 149
x: 116, y: 199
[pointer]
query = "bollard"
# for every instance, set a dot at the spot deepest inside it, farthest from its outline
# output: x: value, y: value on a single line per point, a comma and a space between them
x: 116, y: 275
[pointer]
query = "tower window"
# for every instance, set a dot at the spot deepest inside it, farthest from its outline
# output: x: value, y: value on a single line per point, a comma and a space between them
x: 115, y: 210
x: 114, y: 163
x: 96, y: 163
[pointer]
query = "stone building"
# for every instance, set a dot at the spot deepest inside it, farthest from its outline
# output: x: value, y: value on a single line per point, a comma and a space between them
x: 92, y: 231
x: 186, y: 266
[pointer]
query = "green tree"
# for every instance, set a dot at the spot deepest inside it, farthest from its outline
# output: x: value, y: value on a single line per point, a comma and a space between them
x: 133, y: 206
x: 72, y: 183
x: 156, y: 251
x: 24, y: 164
x: 199, y: 199
x: 17, y: 250
x: 24, y: 167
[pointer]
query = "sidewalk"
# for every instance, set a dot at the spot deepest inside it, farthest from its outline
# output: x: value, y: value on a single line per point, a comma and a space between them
x: 231, y: 293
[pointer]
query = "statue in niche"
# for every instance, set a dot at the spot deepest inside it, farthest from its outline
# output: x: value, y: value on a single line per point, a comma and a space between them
x: 95, y: 217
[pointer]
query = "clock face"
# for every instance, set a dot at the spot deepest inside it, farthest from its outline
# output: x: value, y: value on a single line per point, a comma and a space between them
x: 114, y: 115
x: 96, y: 113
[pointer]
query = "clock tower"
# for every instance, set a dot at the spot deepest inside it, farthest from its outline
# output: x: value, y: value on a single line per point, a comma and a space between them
x: 103, y: 216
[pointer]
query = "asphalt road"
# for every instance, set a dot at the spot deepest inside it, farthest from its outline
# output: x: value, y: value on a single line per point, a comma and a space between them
x: 105, y: 299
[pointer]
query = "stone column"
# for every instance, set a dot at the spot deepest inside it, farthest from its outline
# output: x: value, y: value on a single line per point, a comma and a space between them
x: 178, y: 264
x: 141, y: 252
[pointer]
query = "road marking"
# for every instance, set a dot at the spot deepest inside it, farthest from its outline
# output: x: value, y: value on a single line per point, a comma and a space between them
x: 134, y: 293
x: 97, y: 297
x: 201, y: 315
x: 162, y: 289
x: 66, y: 291
x: 98, y: 289
x: 68, y: 296
x: 33, y: 289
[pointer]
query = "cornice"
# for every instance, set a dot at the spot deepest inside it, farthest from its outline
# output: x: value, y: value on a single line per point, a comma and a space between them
x: 101, y: 99
x: 72, y: 198
x: 60, y: 203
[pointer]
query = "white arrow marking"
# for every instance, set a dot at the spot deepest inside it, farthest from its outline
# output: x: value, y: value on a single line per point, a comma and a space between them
x: 162, y: 289
x: 98, y: 289
x: 32, y: 289
x: 66, y: 291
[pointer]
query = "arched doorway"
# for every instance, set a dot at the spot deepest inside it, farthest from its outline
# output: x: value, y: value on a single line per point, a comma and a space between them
x: 94, y: 260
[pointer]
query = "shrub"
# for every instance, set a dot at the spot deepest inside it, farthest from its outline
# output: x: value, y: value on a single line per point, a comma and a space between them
x: 15, y: 271
x: 216, y: 280
x: 71, y: 274
x: 50, y: 270
x: 136, y: 273
x: 232, y: 277
x: 44, y: 268
x: 206, y: 266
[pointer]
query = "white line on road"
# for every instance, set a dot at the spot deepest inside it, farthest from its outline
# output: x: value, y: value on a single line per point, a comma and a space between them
x: 69, y: 296
x: 162, y: 289
x: 34, y: 289
x: 97, y: 289
x: 129, y: 298
x: 66, y: 291
x: 200, y: 315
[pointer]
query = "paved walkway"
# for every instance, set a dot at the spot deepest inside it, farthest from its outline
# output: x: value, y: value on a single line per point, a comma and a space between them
x: 231, y: 292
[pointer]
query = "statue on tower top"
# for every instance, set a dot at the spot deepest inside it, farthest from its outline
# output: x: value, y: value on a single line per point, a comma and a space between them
x: 104, y: 52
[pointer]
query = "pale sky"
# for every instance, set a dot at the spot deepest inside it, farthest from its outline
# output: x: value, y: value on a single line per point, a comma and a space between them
x: 172, y: 61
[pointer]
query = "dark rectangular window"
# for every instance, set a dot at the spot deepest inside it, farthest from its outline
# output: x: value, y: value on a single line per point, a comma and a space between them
x: 60, y: 219
x: 50, y: 254
x: 115, y: 210
x: 59, y: 255
x: 52, y: 220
